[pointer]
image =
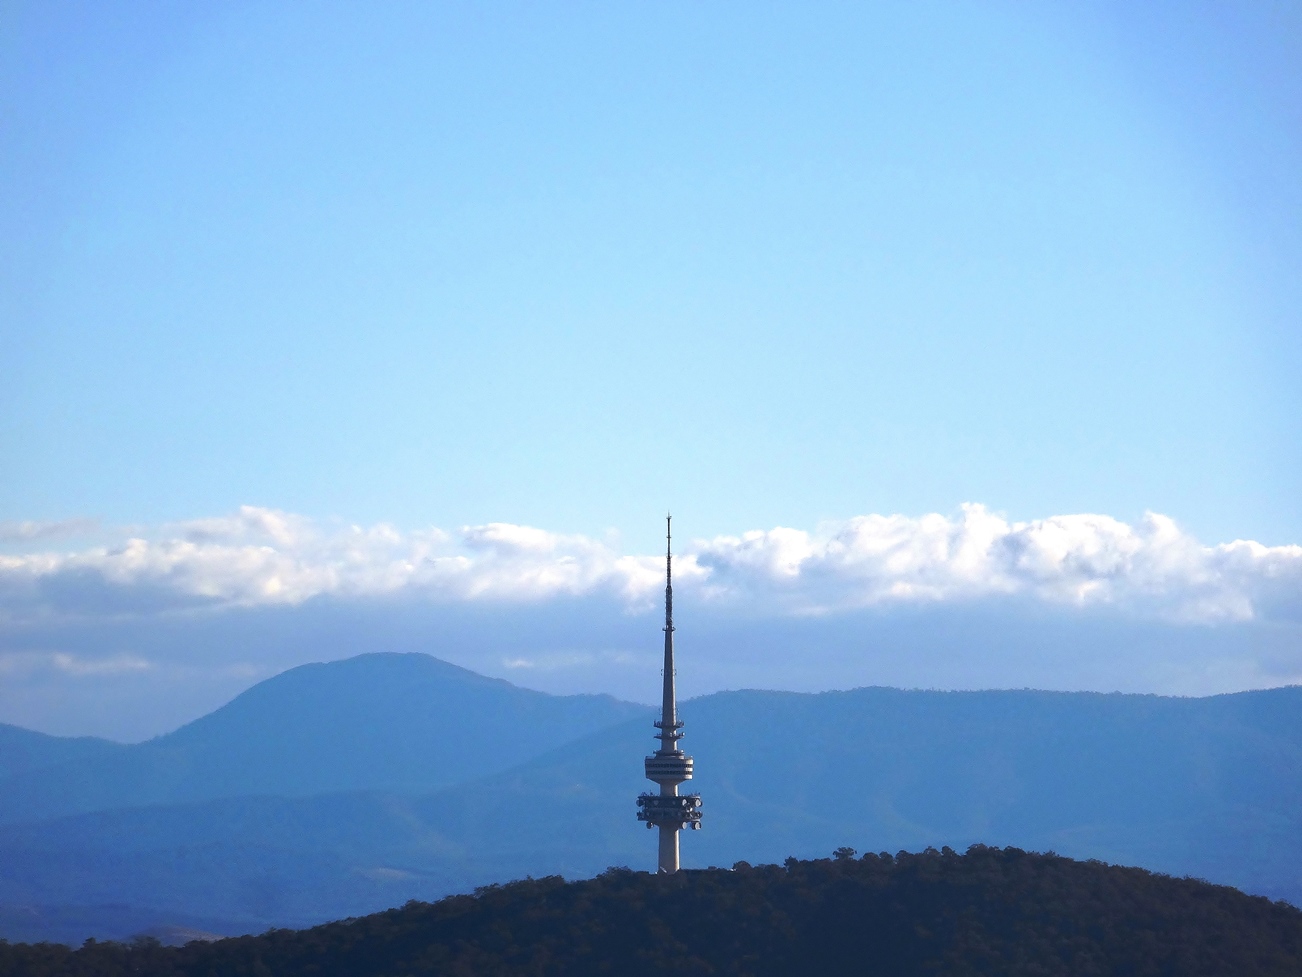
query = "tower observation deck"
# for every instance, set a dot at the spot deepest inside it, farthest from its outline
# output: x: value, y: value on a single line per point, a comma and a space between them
x: 669, y: 766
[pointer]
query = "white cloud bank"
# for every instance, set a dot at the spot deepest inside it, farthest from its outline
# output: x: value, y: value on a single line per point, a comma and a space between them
x: 263, y: 557
x: 1152, y: 568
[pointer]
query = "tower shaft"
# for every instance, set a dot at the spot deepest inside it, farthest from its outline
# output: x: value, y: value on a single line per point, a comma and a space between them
x: 667, y: 859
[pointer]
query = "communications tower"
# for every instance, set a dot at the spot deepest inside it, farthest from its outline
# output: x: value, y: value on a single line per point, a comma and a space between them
x: 669, y: 766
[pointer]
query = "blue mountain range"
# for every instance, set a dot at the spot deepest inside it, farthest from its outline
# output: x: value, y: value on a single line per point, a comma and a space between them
x: 338, y: 789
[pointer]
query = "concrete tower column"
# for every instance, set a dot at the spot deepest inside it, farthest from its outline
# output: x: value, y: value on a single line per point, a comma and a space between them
x: 668, y: 860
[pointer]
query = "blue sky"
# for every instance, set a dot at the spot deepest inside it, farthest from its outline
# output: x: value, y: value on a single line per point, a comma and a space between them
x: 567, y: 266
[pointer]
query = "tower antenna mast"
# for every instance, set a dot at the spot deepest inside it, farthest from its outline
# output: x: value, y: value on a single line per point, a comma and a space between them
x: 668, y: 767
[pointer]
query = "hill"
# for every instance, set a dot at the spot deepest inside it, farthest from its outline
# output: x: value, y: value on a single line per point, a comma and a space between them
x: 1208, y: 787
x: 408, y: 723
x: 23, y: 750
x: 989, y: 911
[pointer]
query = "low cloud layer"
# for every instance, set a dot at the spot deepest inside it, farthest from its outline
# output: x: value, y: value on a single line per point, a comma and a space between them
x: 261, y: 557
x: 147, y: 629
x: 1152, y: 569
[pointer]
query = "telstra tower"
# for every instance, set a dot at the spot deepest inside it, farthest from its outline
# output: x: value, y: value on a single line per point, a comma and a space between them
x: 669, y: 766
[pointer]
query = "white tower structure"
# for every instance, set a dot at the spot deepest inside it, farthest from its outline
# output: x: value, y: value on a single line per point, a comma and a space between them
x: 669, y: 766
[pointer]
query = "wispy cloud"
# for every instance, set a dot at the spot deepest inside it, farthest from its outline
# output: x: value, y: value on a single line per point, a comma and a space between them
x: 24, y: 663
x: 552, y: 661
x: 30, y: 530
x: 259, y: 557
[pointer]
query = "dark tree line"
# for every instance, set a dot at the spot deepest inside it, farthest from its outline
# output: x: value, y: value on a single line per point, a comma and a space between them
x: 989, y: 911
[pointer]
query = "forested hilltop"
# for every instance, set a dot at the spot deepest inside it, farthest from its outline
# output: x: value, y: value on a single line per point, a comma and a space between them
x: 989, y: 911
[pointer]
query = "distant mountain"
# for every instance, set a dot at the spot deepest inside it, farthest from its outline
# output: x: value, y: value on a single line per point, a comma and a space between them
x: 22, y: 750
x: 70, y: 925
x: 1208, y: 787
x: 404, y: 723
x: 988, y: 911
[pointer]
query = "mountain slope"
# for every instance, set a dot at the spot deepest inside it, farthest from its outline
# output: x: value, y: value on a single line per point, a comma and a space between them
x: 23, y: 750
x: 375, y: 722
x: 989, y: 911
x: 1208, y: 787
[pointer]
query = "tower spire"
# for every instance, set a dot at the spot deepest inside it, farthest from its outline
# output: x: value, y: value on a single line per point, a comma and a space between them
x: 669, y: 571
x: 668, y: 702
x: 669, y: 766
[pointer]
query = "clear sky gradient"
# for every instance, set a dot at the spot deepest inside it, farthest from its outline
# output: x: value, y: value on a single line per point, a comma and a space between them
x: 927, y: 284
x: 569, y: 265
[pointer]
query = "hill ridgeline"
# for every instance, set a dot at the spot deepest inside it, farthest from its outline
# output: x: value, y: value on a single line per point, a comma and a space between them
x: 989, y: 911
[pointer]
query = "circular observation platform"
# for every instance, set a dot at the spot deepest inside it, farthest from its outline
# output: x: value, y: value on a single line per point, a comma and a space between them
x: 668, y: 768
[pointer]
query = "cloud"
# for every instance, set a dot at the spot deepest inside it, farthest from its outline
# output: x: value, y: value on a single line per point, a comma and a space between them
x: 26, y: 663
x: 1153, y: 568
x: 261, y: 557
x: 552, y: 661
x: 30, y: 530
